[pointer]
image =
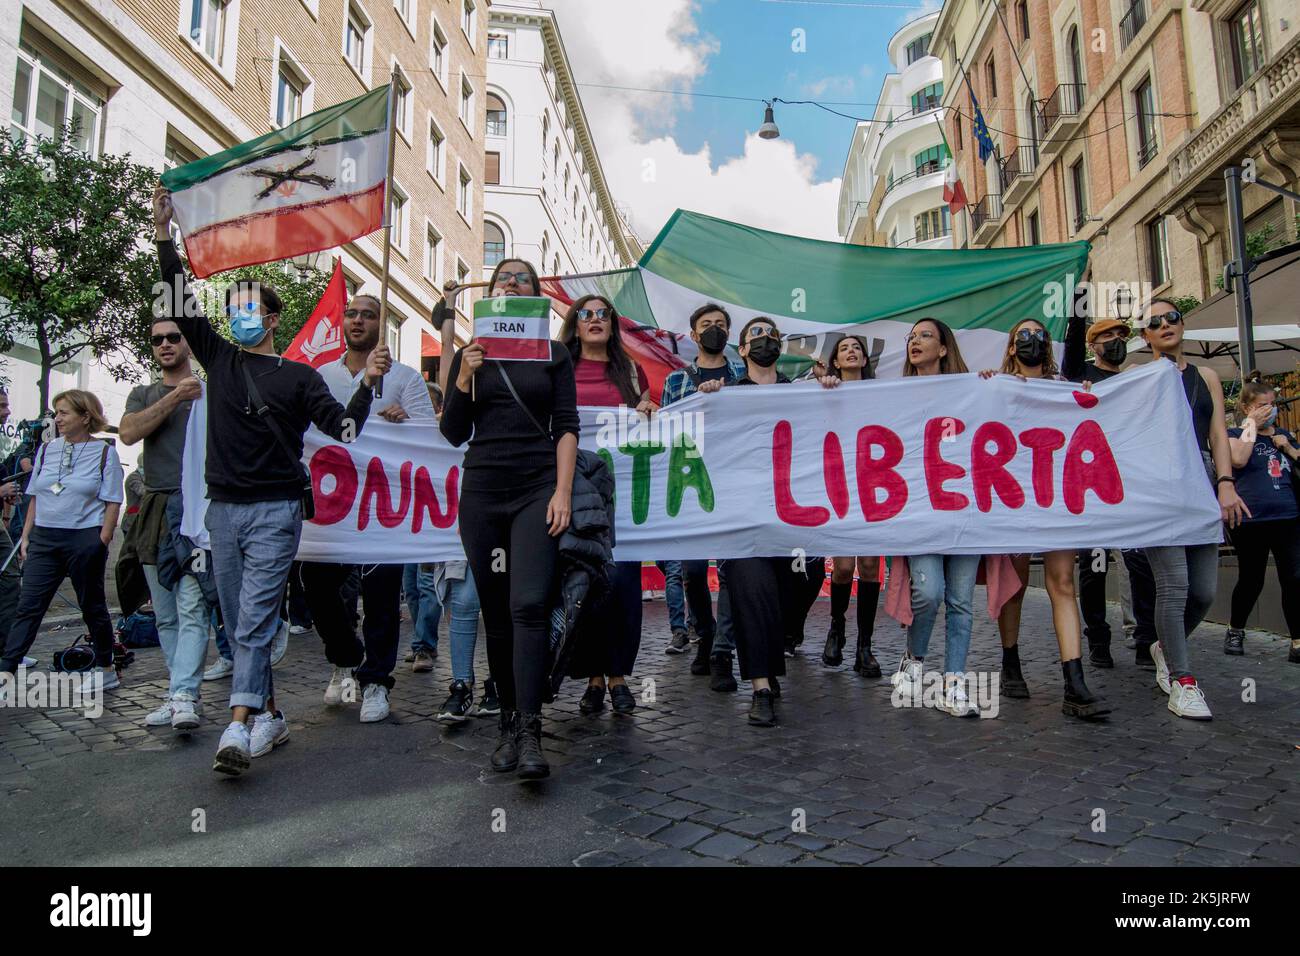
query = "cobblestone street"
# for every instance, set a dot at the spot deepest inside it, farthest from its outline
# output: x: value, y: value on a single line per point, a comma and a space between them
x: 685, y: 780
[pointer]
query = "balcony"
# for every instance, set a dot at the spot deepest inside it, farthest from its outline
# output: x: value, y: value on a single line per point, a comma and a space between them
x: 1018, y: 173
x: 1131, y: 24
x: 985, y: 216
x: 1062, y: 113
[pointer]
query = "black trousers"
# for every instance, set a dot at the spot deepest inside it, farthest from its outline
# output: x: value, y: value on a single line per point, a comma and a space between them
x: 52, y: 555
x: 695, y: 581
x: 327, y: 590
x: 609, y: 635
x: 1092, y: 598
x: 1254, y: 541
x: 767, y: 598
x: 294, y: 607
x: 514, y: 561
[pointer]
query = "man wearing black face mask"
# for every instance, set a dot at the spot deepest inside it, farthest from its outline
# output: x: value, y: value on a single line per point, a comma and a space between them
x: 1108, y: 339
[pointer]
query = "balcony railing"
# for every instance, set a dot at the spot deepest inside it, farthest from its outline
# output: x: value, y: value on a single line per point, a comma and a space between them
x: 1064, y: 102
x: 1020, y: 164
x: 925, y: 169
x: 1147, y: 151
x: 921, y: 237
x: 986, y: 212
x: 1132, y: 22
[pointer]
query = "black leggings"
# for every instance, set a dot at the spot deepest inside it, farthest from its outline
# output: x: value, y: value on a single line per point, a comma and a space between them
x: 609, y: 635
x: 1253, y: 541
x: 514, y: 561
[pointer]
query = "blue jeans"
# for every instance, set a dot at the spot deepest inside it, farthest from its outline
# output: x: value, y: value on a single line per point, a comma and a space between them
x: 674, y: 593
x: 253, y: 544
x: 182, y: 618
x: 461, y: 600
x: 948, y: 579
x: 219, y: 629
x: 424, y: 607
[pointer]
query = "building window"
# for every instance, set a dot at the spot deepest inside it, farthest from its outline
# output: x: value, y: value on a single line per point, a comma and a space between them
x: 1035, y: 232
x: 288, y: 96
x: 1080, y: 195
x: 932, y: 224
x: 466, y: 103
x: 1246, y: 37
x: 1144, y: 102
x: 927, y: 98
x: 498, y: 47
x: 402, y: 106
x: 492, y: 169
x: 208, y: 28
x: 555, y: 157
x: 546, y: 246
x: 403, y: 8
x: 356, y: 39
x: 496, y: 116
x: 397, y: 217
x: 1022, y: 14
x: 930, y: 160
x: 175, y: 155
x: 555, y: 265
x: 438, y: 52
x: 436, y: 162
x: 464, y: 193
x: 991, y: 78
x: 462, y: 271
x: 1075, y: 63
x: 957, y: 129
x: 494, y: 245
x: 432, y: 255
x: 917, y: 49
x: 1158, y: 251
x: 469, y: 19
x: 47, y: 98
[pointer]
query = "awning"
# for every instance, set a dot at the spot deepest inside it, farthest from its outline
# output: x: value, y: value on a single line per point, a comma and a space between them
x: 429, y: 346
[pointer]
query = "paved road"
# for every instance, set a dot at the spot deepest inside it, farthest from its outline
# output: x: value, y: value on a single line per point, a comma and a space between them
x: 685, y: 781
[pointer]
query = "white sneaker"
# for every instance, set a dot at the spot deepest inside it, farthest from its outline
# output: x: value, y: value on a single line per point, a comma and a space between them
x: 280, y: 645
x: 162, y: 716
x: 111, y: 680
x: 907, y: 679
x: 374, y: 703
x: 29, y: 661
x: 1162, y: 669
x: 220, y: 669
x: 1187, y: 700
x: 233, y: 755
x: 269, y: 731
x: 185, y: 712
x: 342, y: 687
x: 298, y: 629
x: 955, y: 699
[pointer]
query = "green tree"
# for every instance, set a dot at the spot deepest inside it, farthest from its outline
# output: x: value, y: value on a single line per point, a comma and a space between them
x: 77, y: 267
x: 298, y: 292
x: 1257, y: 243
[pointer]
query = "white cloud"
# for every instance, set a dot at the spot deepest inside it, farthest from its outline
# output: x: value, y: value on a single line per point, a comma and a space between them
x: 833, y: 85
x: 659, y: 45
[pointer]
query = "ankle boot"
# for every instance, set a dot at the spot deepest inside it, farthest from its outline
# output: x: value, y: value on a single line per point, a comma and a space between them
x: 1013, y: 682
x: 532, y: 762
x: 700, y: 666
x: 506, y: 757
x: 1099, y: 655
x: 1079, y: 701
x: 833, y: 654
x: 864, y: 662
x: 721, y: 678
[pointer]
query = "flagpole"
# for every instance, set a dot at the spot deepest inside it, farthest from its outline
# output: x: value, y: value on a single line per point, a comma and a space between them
x: 970, y: 91
x: 388, y: 220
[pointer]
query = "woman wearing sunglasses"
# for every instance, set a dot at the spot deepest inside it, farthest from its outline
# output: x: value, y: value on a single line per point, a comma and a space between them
x: 609, y: 635
x: 1187, y: 575
x: 851, y: 364
x: 515, y: 503
x: 1029, y: 355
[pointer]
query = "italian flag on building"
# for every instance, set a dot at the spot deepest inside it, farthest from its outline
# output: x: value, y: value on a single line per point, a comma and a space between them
x: 317, y: 183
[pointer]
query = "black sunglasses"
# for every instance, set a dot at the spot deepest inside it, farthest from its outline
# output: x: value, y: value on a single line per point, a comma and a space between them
x: 519, y: 277
x: 1173, y: 318
x: 173, y: 337
x: 1024, y: 335
x: 586, y: 315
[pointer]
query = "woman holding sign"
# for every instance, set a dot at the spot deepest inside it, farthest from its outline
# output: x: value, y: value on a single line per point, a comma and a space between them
x: 851, y: 364
x: 516, y: 502
x: 1029, y: 355
x: 609, y: 635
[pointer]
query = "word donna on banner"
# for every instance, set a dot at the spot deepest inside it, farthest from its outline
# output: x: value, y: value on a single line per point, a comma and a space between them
x: 317, y: 183
x: 515, y: 327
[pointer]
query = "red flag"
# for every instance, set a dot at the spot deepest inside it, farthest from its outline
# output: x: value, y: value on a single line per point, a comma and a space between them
x: 321, y: 337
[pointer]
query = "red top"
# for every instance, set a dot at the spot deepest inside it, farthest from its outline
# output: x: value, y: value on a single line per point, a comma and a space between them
x: 594, y: 386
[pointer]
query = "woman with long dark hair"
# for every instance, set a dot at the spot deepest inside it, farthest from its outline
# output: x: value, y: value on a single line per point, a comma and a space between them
x: 608, y: 635
x: 1029, y: 355
x: 851, y: 363
x: 515, y: 503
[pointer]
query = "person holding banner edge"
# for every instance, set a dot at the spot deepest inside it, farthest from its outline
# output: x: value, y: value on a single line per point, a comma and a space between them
x: 515, y: 503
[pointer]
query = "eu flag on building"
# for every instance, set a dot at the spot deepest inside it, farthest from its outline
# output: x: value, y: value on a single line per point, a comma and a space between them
x: 982, y: 132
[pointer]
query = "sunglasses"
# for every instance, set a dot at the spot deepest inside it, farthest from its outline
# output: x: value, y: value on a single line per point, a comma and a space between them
x: 592, y: 315
x: 1173, y: 318
x: 1027, y: 335
x: 248, y: 309
x: 368, y: 314
x: 173, y: 337
x: 923, y: 334
x: 521, y: 278
x: 758, y: 331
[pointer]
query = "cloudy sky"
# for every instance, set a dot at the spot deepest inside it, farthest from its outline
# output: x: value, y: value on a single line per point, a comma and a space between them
x: 661, y: 152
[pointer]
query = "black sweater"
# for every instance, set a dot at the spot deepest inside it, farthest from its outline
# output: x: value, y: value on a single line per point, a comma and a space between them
x: 506, y: 451
x: 245, y: 462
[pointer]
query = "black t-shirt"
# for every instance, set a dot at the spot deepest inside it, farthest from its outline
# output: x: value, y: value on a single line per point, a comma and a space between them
x: 1265, y: 483
x: 164, y: 448
x: 709, y: 374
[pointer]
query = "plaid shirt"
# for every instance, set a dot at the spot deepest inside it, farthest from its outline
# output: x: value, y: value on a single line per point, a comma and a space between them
x: 678, y: 384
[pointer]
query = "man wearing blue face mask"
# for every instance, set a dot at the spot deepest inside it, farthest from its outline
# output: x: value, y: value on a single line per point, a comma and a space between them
x: 259, y: 406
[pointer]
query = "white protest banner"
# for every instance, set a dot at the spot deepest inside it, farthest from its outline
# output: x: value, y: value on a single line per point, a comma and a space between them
x: 945, y: 464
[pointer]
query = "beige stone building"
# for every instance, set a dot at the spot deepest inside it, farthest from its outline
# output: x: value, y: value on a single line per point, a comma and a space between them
x: 169, y: 81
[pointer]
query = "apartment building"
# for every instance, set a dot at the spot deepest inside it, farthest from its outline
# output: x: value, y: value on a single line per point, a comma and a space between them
x: 891, y: 192
x: 169, y: 81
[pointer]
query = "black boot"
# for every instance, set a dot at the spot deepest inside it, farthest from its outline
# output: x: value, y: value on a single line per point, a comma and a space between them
x: 1079, y: 701
x: 532, y: 762
x: 1099, y: 655
x: 720, y: 670
x: 700, y: 666
x: 833, y: 655
x: 1013, y: 682
x: 864, y: 662
x: 1234, y: 642
x: 506, y: 757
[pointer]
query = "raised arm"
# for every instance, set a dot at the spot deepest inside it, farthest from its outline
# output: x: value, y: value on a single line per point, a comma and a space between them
x: 178, y: 302
x: 1072, y: 362
x: 339, y: 422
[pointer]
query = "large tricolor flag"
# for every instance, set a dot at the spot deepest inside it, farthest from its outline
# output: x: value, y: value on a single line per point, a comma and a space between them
x: 315, y: 184
x: 514, y: 327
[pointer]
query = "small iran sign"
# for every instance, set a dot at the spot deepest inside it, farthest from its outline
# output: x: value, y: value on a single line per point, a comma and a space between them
x: 514, y: 327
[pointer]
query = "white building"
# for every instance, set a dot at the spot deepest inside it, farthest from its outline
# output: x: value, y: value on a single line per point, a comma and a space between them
x: 892, y: 188
x: 545, y: 196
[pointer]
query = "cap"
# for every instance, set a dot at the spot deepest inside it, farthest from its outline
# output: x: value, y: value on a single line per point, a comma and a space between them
x: 1105, y: 325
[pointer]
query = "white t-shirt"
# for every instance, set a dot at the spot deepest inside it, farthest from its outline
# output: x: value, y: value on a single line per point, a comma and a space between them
x: 403, y: 386
x: 86, y: 489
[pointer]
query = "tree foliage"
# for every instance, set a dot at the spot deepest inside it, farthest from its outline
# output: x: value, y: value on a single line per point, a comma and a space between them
x: 298, y: 294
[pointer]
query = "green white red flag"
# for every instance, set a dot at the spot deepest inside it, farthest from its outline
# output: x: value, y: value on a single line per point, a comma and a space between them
x: 514, y: 327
